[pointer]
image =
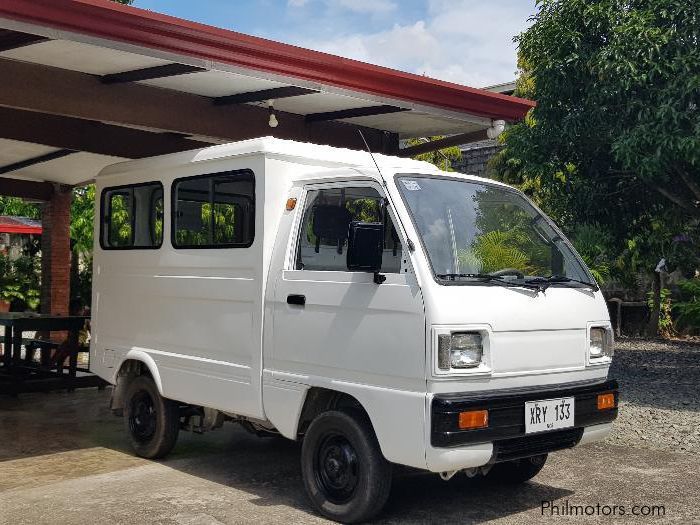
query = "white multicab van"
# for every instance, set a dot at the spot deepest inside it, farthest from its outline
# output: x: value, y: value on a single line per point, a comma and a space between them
x: 389, y: 314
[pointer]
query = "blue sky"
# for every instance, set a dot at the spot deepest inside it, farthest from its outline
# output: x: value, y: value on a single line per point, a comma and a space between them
x: 465, y: 41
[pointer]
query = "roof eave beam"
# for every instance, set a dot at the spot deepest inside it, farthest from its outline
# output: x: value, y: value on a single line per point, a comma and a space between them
x: 353, y: 113
x: 150, y: 73
x: 447, y: 142
x: 263, y: 94
x: 47, y: 90
x: 89, y: 136
x: 16, y: 166
x: 10, y: 40
x: 26, y: 189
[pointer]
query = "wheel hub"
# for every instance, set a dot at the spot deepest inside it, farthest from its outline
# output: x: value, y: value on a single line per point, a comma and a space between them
x: 142, y: 416
x: 337, y: 468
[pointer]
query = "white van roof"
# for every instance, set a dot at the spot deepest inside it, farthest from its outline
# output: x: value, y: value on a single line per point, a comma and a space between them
x: 301, y: 152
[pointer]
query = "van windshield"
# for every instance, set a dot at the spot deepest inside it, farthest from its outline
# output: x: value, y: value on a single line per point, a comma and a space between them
x: 483, y: 233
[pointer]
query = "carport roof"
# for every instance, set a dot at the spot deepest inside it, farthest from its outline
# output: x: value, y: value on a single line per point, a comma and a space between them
x: 89, y: 82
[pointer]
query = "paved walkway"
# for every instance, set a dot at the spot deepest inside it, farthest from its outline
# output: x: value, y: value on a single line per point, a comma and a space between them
x: 63, y: 459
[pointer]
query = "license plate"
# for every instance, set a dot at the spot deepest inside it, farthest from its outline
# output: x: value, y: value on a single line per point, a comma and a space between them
x: 549, y: 414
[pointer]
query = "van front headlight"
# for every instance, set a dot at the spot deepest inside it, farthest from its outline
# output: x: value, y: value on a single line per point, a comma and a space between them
x: 600, y: 343
x: 460, y: 350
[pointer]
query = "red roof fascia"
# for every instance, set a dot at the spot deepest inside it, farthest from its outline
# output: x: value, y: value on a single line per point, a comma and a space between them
x: 29, y: 230
x: 12, y: 225
x: 113, y: 21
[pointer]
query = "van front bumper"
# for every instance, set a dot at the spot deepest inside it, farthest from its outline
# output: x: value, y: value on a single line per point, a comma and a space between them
x: 504, y: 439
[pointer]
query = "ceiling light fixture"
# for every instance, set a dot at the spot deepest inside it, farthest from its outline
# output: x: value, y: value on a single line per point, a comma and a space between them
x: 273, y: 122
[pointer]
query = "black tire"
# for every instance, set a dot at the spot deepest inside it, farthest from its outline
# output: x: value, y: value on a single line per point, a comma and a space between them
x: 345, y: 474
x: 516, y: 471
x: 152, y: 421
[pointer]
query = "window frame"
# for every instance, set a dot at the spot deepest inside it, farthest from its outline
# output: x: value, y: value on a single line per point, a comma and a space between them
x: 106, y: 216
x: 484, y: 182
x: 297, y: 225
x: 152, y: 218
x: 173, y: 210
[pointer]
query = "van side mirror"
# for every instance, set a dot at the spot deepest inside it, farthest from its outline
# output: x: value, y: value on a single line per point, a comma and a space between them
x: 365, y: 248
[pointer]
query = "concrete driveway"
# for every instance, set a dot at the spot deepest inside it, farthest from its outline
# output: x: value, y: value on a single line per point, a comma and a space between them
x: 63, y: 459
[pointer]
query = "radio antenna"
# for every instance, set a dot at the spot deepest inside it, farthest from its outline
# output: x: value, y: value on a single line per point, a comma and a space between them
x: 411, y: 246
x: 371, y: 155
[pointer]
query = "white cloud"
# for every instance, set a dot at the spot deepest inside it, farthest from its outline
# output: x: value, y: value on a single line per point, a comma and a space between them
x: 401, y: 45
x: 373, y: 7
x: 463, y: 41
x: 365, y: 6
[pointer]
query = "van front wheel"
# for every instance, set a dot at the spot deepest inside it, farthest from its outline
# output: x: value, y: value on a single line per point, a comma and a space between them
x: 345, y: 475
x: 152, y: 421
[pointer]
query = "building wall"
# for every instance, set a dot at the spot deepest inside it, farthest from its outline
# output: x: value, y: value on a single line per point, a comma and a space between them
x: 475, y: 158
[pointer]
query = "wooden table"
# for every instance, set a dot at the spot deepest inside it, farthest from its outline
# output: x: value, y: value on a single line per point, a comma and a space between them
x: 18, y: 375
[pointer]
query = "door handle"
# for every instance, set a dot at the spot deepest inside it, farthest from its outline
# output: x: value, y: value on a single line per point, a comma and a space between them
x: 299, y: 300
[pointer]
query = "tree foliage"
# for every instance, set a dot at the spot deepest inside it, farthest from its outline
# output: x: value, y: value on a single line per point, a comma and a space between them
x: 615, y: 138
x: 688, y: 307
x: 441, y: 158
x: 82, y: 215
x: 19, y: 280
x: 17, y: 207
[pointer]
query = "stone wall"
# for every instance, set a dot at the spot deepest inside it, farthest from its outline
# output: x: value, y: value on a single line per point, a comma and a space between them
x: 475, y: 157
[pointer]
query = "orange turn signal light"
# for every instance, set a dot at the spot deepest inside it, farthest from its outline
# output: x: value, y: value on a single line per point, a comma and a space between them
x: 291, y: 203
x: 606, y: 401
x: 473, y: 419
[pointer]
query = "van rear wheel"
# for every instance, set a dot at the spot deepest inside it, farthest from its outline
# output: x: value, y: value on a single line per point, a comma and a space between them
x: 346, y: 477
x: 152, y: 421
x: 516, y: 471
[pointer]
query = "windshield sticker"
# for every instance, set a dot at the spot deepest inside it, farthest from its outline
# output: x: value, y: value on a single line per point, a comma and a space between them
x: 410, y: 185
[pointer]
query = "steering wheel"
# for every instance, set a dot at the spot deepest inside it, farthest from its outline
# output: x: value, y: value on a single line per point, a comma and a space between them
x: 508, y: 271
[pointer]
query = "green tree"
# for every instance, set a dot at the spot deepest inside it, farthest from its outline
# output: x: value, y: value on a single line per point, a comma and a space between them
x: 82, y: 217
x: 615, y: 138
x: 18, y: 207
x: 441, y: 158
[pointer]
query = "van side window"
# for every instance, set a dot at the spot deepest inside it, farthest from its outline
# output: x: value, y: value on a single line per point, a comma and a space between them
x: 132, y: 216
x: 214, y: 211
x: 323, y: 237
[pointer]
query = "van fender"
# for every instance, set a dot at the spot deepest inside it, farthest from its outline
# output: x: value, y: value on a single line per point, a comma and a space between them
x: 149, y: 362
x: 137, y: 356
x: 397, y: 416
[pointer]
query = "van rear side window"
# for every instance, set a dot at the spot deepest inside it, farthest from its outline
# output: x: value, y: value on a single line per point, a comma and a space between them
x: 132, y: 217
x: 214, y: 211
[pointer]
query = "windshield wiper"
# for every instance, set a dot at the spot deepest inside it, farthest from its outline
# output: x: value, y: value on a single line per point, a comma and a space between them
x: 484, y: 277
x: 546, y: 281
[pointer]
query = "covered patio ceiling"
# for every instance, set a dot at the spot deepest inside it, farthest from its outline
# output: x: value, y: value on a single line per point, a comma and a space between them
x: 86, y: 83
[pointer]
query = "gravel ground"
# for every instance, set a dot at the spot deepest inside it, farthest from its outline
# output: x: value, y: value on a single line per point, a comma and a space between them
x: 660, y: 395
